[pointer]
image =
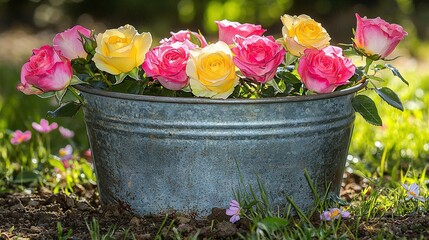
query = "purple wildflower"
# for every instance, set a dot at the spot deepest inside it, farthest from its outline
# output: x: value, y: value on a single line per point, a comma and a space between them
x: 66, y: 153
x: 413, y: 192
x: 334, y: 213
x: 233, y: 211
x: 44, y: 126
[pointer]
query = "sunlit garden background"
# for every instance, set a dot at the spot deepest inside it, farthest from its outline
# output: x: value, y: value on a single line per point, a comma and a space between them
x: 385, y: 157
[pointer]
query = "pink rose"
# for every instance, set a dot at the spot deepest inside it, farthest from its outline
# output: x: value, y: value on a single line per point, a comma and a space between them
x: 324, y: 70
x: 69, y: 44
x: 377, y: 37
x: 258, y: 57
x: 184, y: 36
x: 228, y: 30
x: 167, y: 64
x: 45, y: 71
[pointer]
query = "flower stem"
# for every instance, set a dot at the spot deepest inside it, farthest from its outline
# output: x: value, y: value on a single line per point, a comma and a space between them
x: 258, y: 90
x: 368, y: 64
x: 250, y: 88
x: 48, y: 148
x: 72, y: 90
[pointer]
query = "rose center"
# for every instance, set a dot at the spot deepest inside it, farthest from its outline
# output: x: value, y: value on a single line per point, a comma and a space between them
x: 116, y: 39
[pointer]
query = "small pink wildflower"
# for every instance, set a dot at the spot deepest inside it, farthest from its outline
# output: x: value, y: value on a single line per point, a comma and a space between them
x: 88, y: 155
x: 233, y: 211
x: 44, y: 126
x: 19, y: 137
x: 66, y: 133
x: 413, y: 192
x: 334, y: 213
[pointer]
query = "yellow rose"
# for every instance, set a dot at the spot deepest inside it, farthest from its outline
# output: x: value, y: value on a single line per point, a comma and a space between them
x: 302, y: 32
x: 121, y: 50
x: 211, y: 71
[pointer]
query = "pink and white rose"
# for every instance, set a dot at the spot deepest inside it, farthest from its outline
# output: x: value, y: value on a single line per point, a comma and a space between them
x: 186, y: 37
x: 228, y: 30
x: 376, y: 37
x: 45, y: 71
x: 324, y: 70
x: 69, y: 43
x: 167, y: 64
x: 258, y: 57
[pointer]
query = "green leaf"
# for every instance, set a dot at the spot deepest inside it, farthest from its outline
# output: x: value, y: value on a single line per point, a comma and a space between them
x: 288, y: 77
x: 379, y: 79
x: 60, y: 94
x: 290, y: 59
x: 26, y: 177
x: 68, y: 97
x: 124, y: 86
x: 366, y: 107
x: 396, y: 73
x: 271, y: 224
x: 292, y: 78
x: 46, y: 94
x: 65, y: 110
x: 87, y: 170
x: 134, y: 74
x: 76, y: 80
x: 379, y: 67
x: 195, y: 40
x: 390, y: 97
x: 120, y: 77
x: 276, y: 87
x: 57, y: 164
x: 89, y: 44
x: 187, y: 89
x: 350, y: 51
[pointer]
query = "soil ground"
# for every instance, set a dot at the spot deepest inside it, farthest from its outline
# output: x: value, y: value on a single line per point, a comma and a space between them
x: 36, y: 215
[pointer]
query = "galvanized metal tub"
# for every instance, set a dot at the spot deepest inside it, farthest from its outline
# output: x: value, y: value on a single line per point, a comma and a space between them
x: 159, y: 154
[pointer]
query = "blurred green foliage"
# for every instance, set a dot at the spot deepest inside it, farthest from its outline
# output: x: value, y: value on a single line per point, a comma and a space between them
x: 161, y: 17
x: 403, y: 140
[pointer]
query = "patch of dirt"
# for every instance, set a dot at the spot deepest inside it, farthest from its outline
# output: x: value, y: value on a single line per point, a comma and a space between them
x: 411, y: 226
x: 36, y: 215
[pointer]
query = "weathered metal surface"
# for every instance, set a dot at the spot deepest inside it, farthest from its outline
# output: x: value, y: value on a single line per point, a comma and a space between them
x: 157, y: 154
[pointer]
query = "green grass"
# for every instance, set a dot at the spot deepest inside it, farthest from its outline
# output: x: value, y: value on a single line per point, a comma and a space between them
x: 374, y: 202
x: 402, y: 142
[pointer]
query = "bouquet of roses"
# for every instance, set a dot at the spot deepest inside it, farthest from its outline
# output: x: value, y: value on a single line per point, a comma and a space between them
x: 243, y: 63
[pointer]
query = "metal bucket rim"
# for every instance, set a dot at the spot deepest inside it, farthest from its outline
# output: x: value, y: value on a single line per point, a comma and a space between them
x: 198, y: 100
